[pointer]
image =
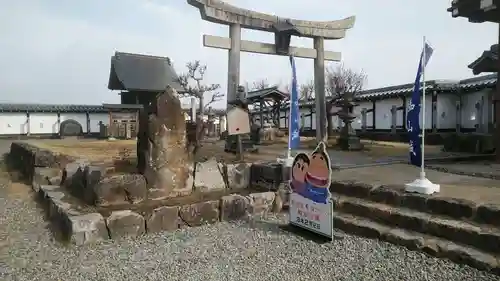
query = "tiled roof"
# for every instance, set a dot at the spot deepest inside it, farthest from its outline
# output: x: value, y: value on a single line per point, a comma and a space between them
x: 76, y: 108
x: 475, y: 83
x: 273, y: 92
x: 13, y: 107
x: 134, y: 72
x: 470, y: 84
x: 487, y: 62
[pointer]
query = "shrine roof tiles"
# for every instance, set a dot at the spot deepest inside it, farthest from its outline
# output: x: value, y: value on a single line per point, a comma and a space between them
x: 77, y: 108
x: 487, y: 62
x: 470, y: 84
x: 135, y: 72
x: 271, y: 92
x: 475, y: 83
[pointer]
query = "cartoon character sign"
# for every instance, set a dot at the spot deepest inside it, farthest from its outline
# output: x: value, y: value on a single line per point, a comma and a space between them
x: 311, y: 175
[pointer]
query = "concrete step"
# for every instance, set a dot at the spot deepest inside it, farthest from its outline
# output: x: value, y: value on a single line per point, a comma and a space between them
x: 481, y: 236
x: 431, y: 245
x: 432, y: 204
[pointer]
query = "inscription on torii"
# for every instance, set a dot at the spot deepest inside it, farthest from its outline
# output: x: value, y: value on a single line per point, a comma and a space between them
x: 218, y: 11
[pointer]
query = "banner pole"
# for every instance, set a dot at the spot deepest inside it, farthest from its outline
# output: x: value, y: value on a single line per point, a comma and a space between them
x: 422, y: 171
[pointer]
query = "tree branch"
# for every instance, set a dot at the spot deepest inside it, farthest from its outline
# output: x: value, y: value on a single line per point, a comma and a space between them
x: 341, y: 80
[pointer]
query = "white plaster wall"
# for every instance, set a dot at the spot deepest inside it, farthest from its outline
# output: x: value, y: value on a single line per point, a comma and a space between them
x: 95, y: 118
x: 369, y: 120
x: 468, y: 113
x: 428, y: 111
x: 383, y: 117
x: 43, y: 123
x: 358, y: 122
x: 446, y: 111
x: 78, y: 117
x: 13, y: 123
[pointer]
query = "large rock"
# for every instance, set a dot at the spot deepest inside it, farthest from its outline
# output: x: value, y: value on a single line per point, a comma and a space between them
x: 161, y: 148
x: 43, y: 176
x: 488, y: 213
x: 200, y: 213
x: 125, y: 224
x: 238, y: 175
x: 234, y: 207
x: 165, y: 218
x: 284, y: 195
x: 73, y: 177
x: 208, y: 176
x: 92, y: 176
x: 87, y: 228
x: 120, y: 189
x: 267, y: 175
x: 261, y: 203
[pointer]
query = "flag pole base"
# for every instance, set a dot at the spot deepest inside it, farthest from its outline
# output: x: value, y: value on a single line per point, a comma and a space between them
x: 422, y: 186
x: 287, y: 161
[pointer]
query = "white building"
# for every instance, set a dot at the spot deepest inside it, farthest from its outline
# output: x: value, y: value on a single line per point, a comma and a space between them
x: 464, y: 106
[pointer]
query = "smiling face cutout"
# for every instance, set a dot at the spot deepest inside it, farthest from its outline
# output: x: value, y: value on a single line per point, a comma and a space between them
x: 319, y: 170
x: 300, y: 167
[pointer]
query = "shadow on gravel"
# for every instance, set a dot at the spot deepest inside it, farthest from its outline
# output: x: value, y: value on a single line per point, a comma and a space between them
x: 17, y: 187
x: 280, y: 228
x: 10, y: 173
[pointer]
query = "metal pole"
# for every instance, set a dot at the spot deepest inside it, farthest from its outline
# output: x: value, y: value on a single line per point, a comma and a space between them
x: 422, y: 172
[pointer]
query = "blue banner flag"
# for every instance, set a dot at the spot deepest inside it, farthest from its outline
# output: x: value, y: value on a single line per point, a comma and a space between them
x: 413, y: 116
x: 294, y: 136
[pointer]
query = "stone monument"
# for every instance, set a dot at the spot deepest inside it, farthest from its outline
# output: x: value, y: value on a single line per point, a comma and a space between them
x: 217, y: 11
x: 161, y: 147
x: 348, y: 140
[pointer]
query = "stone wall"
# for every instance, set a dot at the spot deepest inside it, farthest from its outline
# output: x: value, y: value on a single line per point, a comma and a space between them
x: 81, y: 224
x: 84, y: 204
x: 24, y: 157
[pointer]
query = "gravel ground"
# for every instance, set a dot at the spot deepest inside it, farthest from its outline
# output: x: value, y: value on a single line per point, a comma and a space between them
x: 225, y: 251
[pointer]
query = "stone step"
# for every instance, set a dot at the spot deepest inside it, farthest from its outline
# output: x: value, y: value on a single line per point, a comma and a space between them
x: 412, y: 240
x: 481, y: 236
x: 432, y: 204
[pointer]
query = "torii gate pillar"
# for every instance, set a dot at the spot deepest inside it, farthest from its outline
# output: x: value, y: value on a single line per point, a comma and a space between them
x: 319, y: 88
x: 233, y: 76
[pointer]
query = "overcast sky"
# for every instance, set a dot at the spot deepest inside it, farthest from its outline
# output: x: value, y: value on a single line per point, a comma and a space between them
x: 54, y: 51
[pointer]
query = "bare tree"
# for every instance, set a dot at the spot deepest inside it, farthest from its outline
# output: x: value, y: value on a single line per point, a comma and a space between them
x: 257, y: 85
x: 192, y: 81
x: 342, y: 83
x: 306, y: 90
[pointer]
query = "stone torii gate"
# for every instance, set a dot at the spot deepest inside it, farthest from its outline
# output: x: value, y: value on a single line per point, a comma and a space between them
x: 217, y: 11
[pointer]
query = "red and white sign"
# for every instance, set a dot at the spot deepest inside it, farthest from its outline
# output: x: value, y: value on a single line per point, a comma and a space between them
x: 310, y: 201
x: 310, y: 215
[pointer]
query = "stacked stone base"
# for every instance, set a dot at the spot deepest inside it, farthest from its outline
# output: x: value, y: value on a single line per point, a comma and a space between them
x: 81, y: 225
x: 86, y: 205
x: 457, y: 229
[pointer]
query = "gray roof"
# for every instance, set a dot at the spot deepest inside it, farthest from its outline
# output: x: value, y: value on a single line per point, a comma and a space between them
x: 122, y: 106
x: 134, y: 72
x: 271, y: 92
x: 78, y: 108
x: 465, y: 85
x: 487, y: 62
x: 475, y: 83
